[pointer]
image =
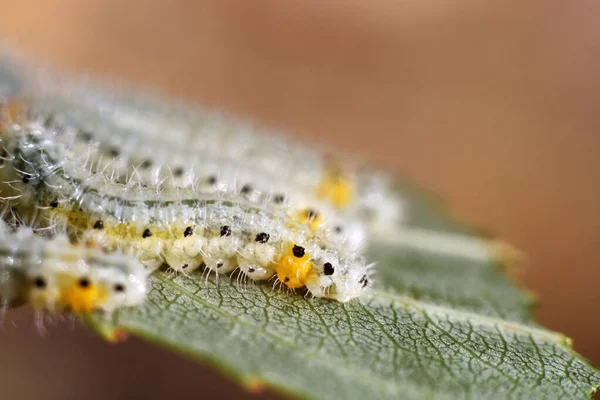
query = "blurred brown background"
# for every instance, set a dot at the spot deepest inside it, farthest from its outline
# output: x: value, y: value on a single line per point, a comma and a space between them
x: 493, y: 104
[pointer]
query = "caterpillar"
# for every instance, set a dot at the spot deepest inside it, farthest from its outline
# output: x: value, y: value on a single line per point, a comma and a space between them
x: 138, y: 163
x: 307, y: 173
x: 52, y: 274
x: 51, y: 179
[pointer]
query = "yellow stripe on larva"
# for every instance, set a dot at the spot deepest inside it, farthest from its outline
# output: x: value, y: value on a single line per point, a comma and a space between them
x: 291, y: 261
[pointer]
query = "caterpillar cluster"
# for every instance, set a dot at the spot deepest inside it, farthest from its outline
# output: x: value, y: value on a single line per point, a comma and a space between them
x: 70, y: 167
x: 161, y: 136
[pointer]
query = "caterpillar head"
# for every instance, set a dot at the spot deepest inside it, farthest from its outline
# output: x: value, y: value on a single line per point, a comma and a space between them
x: 294, y: 268
x: 80, y: 293
x: 337, y: 188
x: 86, y: 280
x: 309, y: 217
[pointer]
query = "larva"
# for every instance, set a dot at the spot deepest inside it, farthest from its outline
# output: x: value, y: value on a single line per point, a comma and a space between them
x: 303, y: 172
x: 52, y: 274
x: 134, y: 161
x: 184, y: 227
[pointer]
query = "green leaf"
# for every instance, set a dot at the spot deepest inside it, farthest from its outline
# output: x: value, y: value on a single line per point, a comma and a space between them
x: 443, y: 322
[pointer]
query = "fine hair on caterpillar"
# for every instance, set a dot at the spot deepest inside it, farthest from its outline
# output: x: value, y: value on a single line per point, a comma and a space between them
x: 183, y: 227
x: 304, y: 172
x: 206, y: 194
x: 180, y: 169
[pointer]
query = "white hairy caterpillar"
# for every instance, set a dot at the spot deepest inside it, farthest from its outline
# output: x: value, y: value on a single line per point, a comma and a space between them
x: 306, y: 173
x: 52, y: 274
x: 142, y: 161
x: 183, y: 227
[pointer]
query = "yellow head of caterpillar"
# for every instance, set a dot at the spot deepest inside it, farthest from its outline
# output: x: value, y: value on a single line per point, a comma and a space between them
x: 336, y: 188
x: 82, y: 295
x: 294, y: 267
x: 309, y: 217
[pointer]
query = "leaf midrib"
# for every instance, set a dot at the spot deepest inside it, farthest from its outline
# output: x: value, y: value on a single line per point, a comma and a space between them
x: 494, y: 322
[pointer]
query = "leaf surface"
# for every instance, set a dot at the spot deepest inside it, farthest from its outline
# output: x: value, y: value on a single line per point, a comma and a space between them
x: 442, y: 322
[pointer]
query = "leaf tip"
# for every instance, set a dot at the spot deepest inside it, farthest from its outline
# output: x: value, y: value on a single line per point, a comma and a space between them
x: 509, y: 256
x: 117, y: 336
x: 594, y: 391
x: 105, y: 329
x: 567, y: 341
